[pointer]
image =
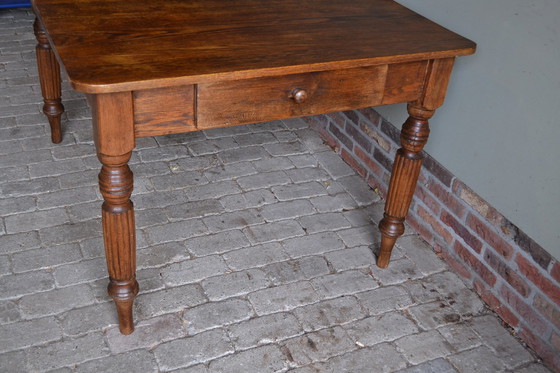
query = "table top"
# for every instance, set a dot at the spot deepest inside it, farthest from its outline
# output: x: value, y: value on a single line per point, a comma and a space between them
x: 115, y: 45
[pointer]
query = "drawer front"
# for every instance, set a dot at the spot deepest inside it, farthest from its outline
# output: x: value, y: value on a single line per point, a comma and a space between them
x: 269, y: 98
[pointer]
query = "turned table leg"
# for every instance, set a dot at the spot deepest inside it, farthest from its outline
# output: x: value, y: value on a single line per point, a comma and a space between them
x: 404, y: 176
x: 49, y: 76
x: 114, y: 140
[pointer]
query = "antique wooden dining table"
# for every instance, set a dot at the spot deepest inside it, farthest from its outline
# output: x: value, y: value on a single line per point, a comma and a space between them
x: 174, y: 66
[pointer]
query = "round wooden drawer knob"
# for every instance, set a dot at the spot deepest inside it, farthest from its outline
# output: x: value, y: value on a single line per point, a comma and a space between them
x: 299, y: 95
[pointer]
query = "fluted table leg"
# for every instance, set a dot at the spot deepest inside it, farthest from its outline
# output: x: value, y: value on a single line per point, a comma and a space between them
x: 49, y: 77
x: 114, y: 139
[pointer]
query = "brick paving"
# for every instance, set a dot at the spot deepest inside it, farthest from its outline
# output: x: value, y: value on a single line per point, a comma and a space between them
x: 255, y: 254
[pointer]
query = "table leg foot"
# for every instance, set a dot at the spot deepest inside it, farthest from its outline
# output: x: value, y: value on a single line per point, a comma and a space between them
x: 404, y: 176
x: 123, y: 293
x: 49, y: 77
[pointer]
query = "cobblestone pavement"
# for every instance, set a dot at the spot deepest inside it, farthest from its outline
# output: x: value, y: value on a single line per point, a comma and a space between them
x: 254, y: 255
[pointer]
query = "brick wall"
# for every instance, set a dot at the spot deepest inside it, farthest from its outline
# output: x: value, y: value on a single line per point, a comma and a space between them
x: 516, y: 277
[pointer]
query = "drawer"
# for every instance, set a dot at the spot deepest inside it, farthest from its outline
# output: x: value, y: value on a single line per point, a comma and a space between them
x: 262, y: 99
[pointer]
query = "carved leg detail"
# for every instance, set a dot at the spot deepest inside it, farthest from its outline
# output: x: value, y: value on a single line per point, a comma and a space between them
x: 49, y: 76
x: 115, y: 183
x: 404, y: 176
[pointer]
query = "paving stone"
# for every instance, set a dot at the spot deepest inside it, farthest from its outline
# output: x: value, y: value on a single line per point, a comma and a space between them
x: 135, y: 361
x: 343, y: 283
x: 480, y: 359
x: 193, y: 270
x: 84, y: 271
x: 71, y: 232
x: 35, y: 220
x: 194, y: 209
x: 178, y: 180
x: 460, y: 336
x: 147, y: 334
x: 5, y: 265
x: 433, y: 366
x: 359, y: 218
x: 197, y: 163
x: 286, y: 210
x: 362, y: 236
x: 10, y: 243
x: 324, y: 222
x: 160, y: 255
x: 233, y: 220
x: 338, y: 202
x: 10, y: 206
x: 384, y: 299
x: 398, y: 272
x: 45, y: 257
x: 176, y: 231
x: 28, y: 333
x: 235, y: 284
x: 359, y: 190
x: 193, y: 350
x: 67, y: 352
x: 384, y: 357
x: 418, y: 348
x: 168, y: 300
x: 56, y: 167
x: 217, y: 243
x: 276, y: 231
x: 297, y: 269
x: 308, y: 174
x: 273, y: 164
x: 533, y: 368
x: 296, y: 191
x: 283, y: 297
x: 201, y: 368
x: 303, y: 160
x: 247, y: 153
x: 257, y: 360
x: 216, y: 314
x: 264, y: 330
x: 329, y: 313
x: 9, y: 312
x: 334, y: 165
x: 286, y: 148
x: 433, y: 315
x: 212, y: 146
x: 79, y: 321
x: 354, y: 258
x: 55, y: 301
x: 166, y: 153
x: 312, y: 244
x: 247, y: 200
x: 381, y: 328
x: 15, y: 286
x: 14, y: 361
x: 319, y: 346
x: 263, y: 180
x: 255, y: 256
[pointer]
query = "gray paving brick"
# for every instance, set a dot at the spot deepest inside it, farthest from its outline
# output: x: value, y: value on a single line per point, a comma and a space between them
x: 343, y: 283
x: 159, y: 200
x: 283, y: 297
x: 194, y: 209
x: 235, y: 284
x: 10, y: 206
x: 212, y: 190
x: 70, y: 232
x: 533, y: 368
x: 168, y: 300
x: 15, y: 286
x: 255, y: 256
x: 359, y: 190
x: 5, y: 265
x: 14, y: 361
x: 200, y: 368
x: 67, y: 352
x: 212, y: 146
x: 45, y: 257
x: 398, y: 272
x: 193, y: 350
x: 28, y: 333
x: 217, y: 243
x: 263, y: 359
x: 147, y: 334
x: 233, y: 220
x: 272, y: 164
x: 176, y: 231
x: 14, y: 174
x: 319, y: 346
x: 9, y: 312
x: 276, y: 231
x: 160, y: 255
x: 338, y: 202
x: 178, y: 180
x: 135, y: 361
x: 286, y: 148
x: 460, y: 336
x: 353, y: 258
x: 324, y: 222
x: 193, y: 270
x: 10, y: 243
x: 264, y: 330
x: 303, y: 160
x: 149, y: 217
x: 263, y: 180
x: 81, y: 272
x: 55, y: 301
x: 79, y: 179
x: 334, y: 165
x: 381, y: 328
x: 272, y: 126
x: 418, y: 348
x: 247, y: 153
x: 362, y: 236
x: 58, y: 167
x: 384, y: 299
x: 419, y: 252
x: 35, y: 220
x: 229, y: 171
x: 165, y: 153
x: 296, y: 269
x: 216, y: 314
x: 86, y: 319
x: 247, y: 200
x: 329, y: 313
x: 259, y: 138
x: 480, y: 359
x: 308, y: 174
x: 433, y: 315
x: 286, y: 210
x: 296, y: 191
x: 434, y: 366
x: 312, y: 244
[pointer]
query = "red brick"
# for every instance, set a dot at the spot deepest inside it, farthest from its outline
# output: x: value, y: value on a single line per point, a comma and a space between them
x: 446, y: 198
x: 419, y: 228
x: 549, y: 288
x: 527, y: 244
x: 380, y: 157
x: 477, y: 203
x: 373, y: 133
x: 496, y: 305
x: 341, y: 136
x: 550, y: 357
x: 457, y: 266
x: 524, y: 310
x: 337, y: 118
x: 547, y: 309
x: 473, y: 262
x: 435, y: 224
x: 377, y: 185
x: 555, y: 271
x: 352, y: 115
x: 428, y: 200
x: 555, y: 341
x: 348, y: 158
x: 436, y: 169
x: 368, y: 161
x: 358, y: 136
x: 391, y: 131
x: 461, y: 231
x: 371, y: 115
x: 507, y: 273
x: 490, y: 236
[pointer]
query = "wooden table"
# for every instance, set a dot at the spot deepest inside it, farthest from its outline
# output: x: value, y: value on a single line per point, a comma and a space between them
x: 173, y: 66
